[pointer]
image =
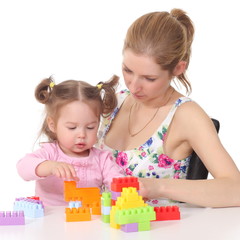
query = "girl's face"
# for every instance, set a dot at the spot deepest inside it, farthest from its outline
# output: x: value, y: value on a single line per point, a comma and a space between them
x: 76, y: 128
x: 144, y: 77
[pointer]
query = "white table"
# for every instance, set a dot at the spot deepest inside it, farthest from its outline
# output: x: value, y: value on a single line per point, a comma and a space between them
x: 196, y: 223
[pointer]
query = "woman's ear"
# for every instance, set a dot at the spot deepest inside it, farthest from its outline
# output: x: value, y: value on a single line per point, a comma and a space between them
x: 180, y: 68
x: 51, y: 124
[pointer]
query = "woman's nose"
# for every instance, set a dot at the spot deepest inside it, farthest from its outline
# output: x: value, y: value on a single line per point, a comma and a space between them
x: 135, y: 84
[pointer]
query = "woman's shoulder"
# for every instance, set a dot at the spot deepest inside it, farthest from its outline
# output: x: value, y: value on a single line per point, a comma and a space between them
x: 121, y: 96
x: 190, y: 113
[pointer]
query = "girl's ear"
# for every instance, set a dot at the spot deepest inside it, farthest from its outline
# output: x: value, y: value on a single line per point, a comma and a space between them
x: 51, y: 124
x: 180, y: 68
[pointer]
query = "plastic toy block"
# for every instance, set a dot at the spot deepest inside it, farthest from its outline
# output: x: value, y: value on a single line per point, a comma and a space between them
x: 131, y: 227
x: 74, y: 204
x: 12, y: 218
x: 106, y: 210
x: 77, y: 214
x: 96, y: 208
x: 119, y: 183
x: 113, y: 202
x: 130, y: 199
x: 135, y: 215
x: 105, y: 218
x: 144, y: 226
x: 86, y: 195
x: 106, y: 199
x: 115, y: 195
x: 31, y: 207
x: 113, y: 223
x: 34, y: 197
x: 167, y: 213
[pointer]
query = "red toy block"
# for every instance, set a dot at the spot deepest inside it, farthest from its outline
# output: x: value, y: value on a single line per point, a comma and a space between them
x: 113, y: 202
x: 167, y: 213
x: 119, y: 183
x: 34, y: 198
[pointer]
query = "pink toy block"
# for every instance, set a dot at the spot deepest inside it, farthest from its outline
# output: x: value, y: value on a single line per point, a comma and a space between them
x: 119, y: 183
x: 12, y: 218
x: 167, y: 213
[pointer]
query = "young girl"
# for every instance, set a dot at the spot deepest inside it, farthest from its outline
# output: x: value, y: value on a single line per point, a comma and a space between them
x: 73, y: 110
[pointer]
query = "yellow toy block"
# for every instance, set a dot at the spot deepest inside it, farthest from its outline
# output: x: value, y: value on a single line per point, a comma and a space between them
x: 113, y: 223
x: 130, y: 199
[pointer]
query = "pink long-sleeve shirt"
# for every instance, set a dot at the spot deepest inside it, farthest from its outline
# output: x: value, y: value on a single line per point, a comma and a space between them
x: 95, y: 170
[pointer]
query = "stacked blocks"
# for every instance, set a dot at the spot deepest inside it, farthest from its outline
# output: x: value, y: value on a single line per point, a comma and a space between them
x: 12, y: 218
x: 129, y: 212
x: 31, y: 207
x: 106, y: 206
x: 81, y: 200
x: 167, y: 213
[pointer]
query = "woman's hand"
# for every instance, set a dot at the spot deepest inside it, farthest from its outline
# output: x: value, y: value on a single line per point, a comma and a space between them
x: 149, y: 188
x: 59, y: 169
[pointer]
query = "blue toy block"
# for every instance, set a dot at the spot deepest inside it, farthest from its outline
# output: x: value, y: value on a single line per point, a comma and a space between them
x: 75, y: 204
x: 105, y: 210
x: 31, y: 207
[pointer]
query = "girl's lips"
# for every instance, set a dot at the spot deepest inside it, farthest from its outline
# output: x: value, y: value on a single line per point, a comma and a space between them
x: 80, y: 145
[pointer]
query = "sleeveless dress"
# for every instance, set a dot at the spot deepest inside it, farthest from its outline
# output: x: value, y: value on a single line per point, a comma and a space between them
x: 148, y: 160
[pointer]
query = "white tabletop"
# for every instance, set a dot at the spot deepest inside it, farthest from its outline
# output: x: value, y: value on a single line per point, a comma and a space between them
x: 196, y: 223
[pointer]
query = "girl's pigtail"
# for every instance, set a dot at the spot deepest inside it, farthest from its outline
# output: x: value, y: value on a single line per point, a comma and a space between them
x: 44, y: 90
x: 109, y: 96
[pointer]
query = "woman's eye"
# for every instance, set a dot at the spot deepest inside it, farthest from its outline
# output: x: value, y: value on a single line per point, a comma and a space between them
x: 90, y: 128
x: 127, y: 70
x: 150, y: 79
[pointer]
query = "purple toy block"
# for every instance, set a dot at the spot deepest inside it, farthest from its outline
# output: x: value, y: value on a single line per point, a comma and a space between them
x: 130, y: 227
x: 115, y: 195
x: 12, y: 218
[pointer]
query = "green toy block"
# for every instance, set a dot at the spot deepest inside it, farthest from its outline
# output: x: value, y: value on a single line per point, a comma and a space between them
x: 143, y: 226
x: 106, y: 218
x: 106, y: 199
x: 135, y: 215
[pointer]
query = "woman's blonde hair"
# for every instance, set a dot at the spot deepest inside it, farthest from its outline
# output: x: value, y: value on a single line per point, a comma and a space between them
x: 167, y: 37
x: 101, y: 98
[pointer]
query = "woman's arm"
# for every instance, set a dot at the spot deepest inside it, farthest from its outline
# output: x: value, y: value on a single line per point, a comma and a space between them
x: 199, y: 133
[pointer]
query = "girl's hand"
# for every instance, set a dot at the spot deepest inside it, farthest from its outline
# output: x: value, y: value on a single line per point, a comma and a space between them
x: 59, y: 169
x: 64, y: 170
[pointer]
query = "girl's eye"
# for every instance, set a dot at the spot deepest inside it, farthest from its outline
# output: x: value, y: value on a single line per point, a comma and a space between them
x: 71, y: 128
x: 90, y: 128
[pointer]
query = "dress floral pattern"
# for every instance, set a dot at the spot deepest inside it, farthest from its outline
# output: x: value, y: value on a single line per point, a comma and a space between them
x: 147, y: 160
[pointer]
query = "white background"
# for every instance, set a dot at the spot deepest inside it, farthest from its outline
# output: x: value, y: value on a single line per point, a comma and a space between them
x: 82, y: 40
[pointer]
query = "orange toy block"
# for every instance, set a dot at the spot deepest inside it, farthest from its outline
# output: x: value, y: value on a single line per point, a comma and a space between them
x: 85, y: 195
x: 119, y: 183
x: 77, y: 214
x: 96, y: 209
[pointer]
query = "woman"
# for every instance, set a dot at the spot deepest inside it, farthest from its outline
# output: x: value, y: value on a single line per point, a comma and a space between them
x: 155, y: 129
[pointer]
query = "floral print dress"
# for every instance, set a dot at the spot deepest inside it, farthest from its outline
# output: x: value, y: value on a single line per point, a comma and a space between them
x: 147, y: 160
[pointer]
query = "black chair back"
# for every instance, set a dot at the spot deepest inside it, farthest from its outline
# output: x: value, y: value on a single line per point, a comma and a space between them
x: 197, y: 169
